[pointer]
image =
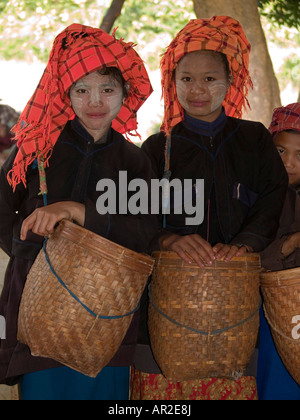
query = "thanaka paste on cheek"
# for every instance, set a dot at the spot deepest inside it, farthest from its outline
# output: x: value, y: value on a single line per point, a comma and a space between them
x: 182, y: 93
x: 218, y: 90
x: 114, y: 103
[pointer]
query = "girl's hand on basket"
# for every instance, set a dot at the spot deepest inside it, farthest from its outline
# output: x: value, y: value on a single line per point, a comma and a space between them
x: 43, y: 220
x: 291, y: 244
x: 191, y: 248
x: 227, y: 252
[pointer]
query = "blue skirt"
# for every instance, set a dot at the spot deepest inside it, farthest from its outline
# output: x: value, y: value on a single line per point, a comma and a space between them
x: 65, y: 384
x: 273, y: 380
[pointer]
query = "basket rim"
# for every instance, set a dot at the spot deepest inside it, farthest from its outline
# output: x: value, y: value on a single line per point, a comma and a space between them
x: 252, y: 259
x: 95, y: 242
x: 282, y: 278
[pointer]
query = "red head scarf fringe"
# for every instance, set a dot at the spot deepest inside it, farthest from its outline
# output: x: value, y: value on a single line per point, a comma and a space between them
x: 285, y: 118
x: 76, y: 52
x: 221, y: 34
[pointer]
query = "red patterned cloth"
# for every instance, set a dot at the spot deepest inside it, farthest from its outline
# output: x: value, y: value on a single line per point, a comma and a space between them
x: 76, y: 52
x: 221, y: 34
x: 145, y: 386
x: 285, y: 118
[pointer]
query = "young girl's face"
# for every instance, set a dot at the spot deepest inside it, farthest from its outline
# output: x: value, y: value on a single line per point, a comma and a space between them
x: 288, y: 146
x: 202, y: 83
x: 96, y: 100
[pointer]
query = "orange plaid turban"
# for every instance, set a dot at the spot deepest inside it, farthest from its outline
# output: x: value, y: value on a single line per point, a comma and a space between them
x: 285, y: 118
x: 76, y: 52
x: 221, y: 34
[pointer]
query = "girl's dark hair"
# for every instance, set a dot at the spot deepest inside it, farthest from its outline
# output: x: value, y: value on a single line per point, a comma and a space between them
x: 292, y: 131
x: 116, y: 74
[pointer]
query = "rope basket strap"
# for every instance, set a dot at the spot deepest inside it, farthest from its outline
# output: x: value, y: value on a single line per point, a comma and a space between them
x: 277, y: 330
x: 205, y: 333
x: 76, y: 297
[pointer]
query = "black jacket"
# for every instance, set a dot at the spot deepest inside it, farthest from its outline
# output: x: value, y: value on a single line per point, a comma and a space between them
x: 245, y: 180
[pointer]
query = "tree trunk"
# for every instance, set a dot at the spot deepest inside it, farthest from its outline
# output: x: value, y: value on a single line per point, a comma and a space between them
x: 112, y: 14
x: 266, y: 94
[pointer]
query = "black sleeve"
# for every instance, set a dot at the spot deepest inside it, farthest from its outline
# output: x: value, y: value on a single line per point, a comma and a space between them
x: 10, y: 203
x: 261, y: 225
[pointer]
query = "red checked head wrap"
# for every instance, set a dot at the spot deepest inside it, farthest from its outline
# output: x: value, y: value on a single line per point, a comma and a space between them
x: 76, y: 52
x: 221, y: 34
x: 285, y: 118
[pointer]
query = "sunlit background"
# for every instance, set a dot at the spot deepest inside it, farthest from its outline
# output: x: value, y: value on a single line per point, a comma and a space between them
x: 27, y: 35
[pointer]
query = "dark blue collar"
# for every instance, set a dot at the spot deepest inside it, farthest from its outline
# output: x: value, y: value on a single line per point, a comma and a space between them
x: 209, y: 129
x: 78, y: 127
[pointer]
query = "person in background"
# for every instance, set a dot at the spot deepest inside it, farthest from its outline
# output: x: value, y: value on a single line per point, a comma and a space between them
x: 205, y: 80
x: 273, y: 380
x: 70, y: 134
x: 8, y: 118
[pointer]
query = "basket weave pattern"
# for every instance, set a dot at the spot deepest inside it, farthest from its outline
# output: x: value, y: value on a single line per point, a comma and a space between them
x: 210, y: 301
x: 104, y: 276
x: 281, y: 292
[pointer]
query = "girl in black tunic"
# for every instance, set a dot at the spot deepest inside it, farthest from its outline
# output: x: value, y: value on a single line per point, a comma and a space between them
x: 71, y: 131
x: 205, y: 81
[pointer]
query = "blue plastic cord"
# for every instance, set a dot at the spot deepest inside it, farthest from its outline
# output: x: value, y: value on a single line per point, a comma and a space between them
x: 76, y: 298
x: 199, y: 331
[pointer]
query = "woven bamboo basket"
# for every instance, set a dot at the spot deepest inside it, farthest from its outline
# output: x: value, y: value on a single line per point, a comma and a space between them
x: 80, y: 297
x: 281, y: 293
x: 204, y: 322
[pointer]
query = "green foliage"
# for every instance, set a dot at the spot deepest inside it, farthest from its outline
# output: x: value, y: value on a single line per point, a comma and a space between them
x: 155, y: 23
x: 28, y: 27
x: 290, y: 72
x: 32, y: 24
x: 155, y: 17
x: 13, y: 49
x: 288, y: 40
x: 281, y: 12
x: 47, y: 5
x: 3, y: 4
